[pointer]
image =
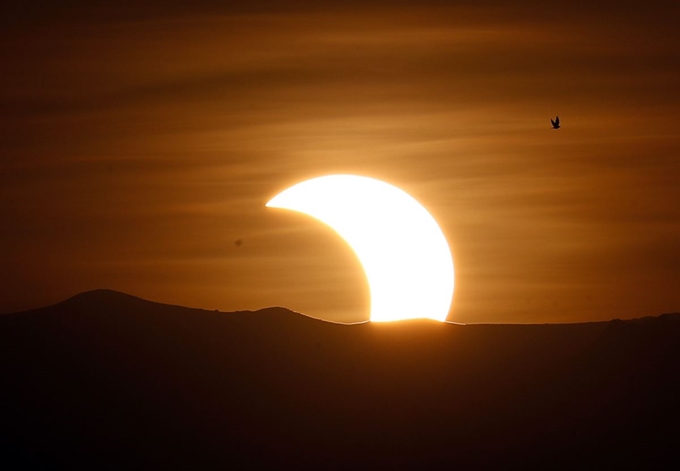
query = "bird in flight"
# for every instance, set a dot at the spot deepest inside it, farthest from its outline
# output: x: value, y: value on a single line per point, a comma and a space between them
x: 555, y: 123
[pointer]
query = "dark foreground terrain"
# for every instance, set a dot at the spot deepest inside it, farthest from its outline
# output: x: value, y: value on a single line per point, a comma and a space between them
x: 109, y: 381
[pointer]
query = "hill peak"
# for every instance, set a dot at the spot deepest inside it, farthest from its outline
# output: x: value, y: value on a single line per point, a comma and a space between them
x: 104, y: 297
x: 114, y: 301
x: 102, y: 294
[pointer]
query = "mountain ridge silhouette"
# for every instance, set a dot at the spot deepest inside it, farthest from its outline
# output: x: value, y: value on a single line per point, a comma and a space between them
x: 108, y: 380
x: 118, y: 299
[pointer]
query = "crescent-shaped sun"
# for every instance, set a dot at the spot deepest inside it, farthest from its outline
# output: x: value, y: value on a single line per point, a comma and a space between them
x: 400, y: 246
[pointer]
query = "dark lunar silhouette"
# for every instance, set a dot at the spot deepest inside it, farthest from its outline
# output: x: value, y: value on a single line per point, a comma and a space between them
x: 106, y: 380
x: 555, y: 123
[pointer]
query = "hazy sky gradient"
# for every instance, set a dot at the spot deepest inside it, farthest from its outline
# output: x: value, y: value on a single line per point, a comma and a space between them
x: 138, y: 144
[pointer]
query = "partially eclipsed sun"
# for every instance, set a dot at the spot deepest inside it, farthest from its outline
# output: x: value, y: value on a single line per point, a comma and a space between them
x: 403, y: 251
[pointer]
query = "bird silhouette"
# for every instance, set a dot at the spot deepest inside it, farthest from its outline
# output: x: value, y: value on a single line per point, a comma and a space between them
x: 555, y: 123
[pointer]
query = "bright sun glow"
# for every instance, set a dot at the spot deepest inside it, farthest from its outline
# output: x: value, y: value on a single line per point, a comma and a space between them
x: 403, y: 251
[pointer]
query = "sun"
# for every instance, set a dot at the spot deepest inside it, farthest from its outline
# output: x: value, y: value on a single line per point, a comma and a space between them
x: 400, y: 246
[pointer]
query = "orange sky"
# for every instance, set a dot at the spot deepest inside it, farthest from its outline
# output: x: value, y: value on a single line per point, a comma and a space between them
x: 137, y: 145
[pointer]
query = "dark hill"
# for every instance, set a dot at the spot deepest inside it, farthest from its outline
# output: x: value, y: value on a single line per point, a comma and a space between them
x: 105, y: 380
